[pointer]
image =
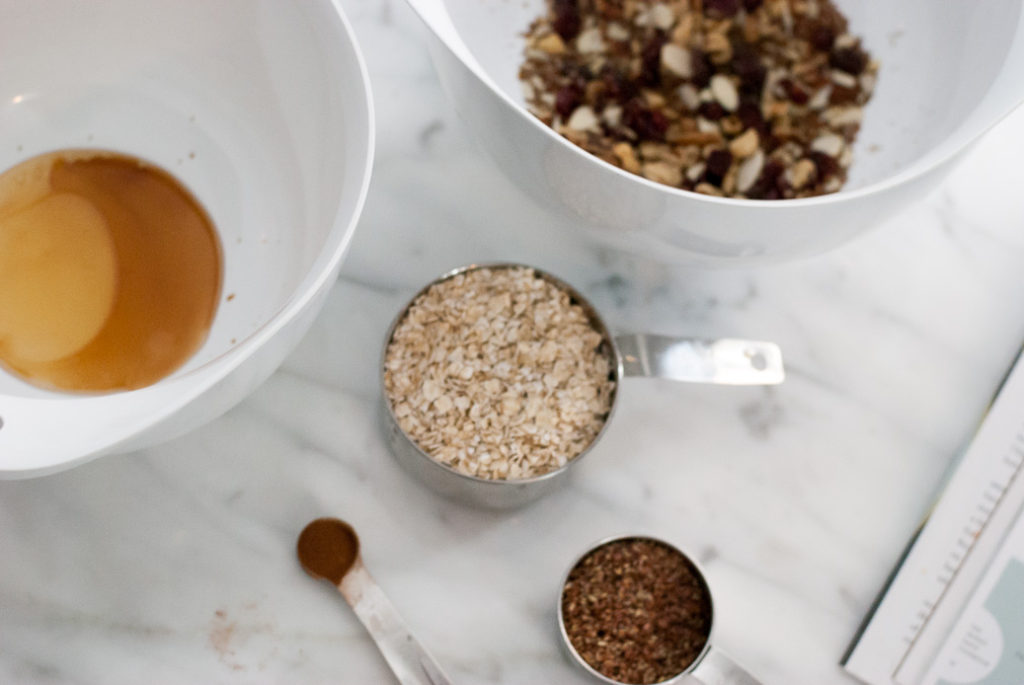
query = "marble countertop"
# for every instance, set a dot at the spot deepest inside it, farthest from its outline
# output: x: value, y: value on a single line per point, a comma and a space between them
x: 177, y: 565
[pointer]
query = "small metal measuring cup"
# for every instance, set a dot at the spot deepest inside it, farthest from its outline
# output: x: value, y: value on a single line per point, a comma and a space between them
x: 711, y: 667
x: 723, y: 362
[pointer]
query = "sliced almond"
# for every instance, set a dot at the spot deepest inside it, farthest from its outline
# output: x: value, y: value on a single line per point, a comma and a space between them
x: 829, y: 144
x: 689, y: 95
x: 749, y: 171
x: 677, y: 60
x: 583, y: 119
x: 725, y: 92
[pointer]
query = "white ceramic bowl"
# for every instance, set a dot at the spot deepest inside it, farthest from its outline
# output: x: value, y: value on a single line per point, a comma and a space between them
x: 262, y: 109
x: 950, y: 70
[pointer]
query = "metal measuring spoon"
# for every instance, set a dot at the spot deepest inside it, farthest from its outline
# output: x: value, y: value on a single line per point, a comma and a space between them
x: 328, y: 549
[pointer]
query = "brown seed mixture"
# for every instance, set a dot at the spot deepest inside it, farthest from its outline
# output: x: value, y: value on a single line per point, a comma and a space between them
x: 636, y: 611
x: 498, y: 374
x: 757, y: 99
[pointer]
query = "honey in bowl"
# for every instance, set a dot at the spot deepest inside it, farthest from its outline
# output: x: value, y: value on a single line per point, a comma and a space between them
x: 110, y: 272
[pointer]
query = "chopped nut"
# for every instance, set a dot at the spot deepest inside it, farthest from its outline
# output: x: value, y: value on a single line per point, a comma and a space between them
x: 719, y: 47
x: 801, y: 172
x: 745, y: 145
x: 617, y: 32
x: 684, y: 29
x: 552, y: 44
x: 838, y: 117
x: 590, y: 41
x: 612, y: 115
x: 843, y: 79
x: 663, y: 172
x: 773, y: 84
x: 659, y: 16
x: 654, y: 99
x: 626, y: 155
x: 708, y: 189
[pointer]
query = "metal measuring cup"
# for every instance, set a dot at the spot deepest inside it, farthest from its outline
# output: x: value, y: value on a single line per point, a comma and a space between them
x: 711, y: 666
x: 724, y: 362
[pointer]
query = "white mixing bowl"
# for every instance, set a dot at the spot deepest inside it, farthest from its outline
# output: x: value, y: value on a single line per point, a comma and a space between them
x: 950, y: 70
x: 262, y: 109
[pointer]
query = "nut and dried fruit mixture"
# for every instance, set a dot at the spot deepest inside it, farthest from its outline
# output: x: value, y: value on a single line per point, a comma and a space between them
x: 496, y: 373
x: 758, y: 99
x: 636, y: 610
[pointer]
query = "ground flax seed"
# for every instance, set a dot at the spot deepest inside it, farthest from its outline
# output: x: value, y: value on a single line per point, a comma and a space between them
x: 636, y: 610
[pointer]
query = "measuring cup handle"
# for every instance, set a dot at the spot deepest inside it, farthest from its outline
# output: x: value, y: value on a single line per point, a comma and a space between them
x: 717, y: 668
x: 723, y: 362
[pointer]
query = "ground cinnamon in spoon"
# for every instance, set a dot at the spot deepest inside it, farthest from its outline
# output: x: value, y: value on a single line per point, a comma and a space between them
x: 328, y: 548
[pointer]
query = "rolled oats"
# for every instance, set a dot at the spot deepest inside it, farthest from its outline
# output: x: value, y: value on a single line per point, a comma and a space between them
x: 498, y: 374
x: 689, y: 80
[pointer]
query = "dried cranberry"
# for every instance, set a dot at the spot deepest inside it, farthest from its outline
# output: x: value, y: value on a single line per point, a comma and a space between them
x: 721, y: 8
x: 751, y: 5
x: 750, y: 116
x: 650, y: 59
x: 769, y: 141
x: 703, y: 70
x: 794, y: 91
x: 645, y: 122
x: 747, y: 65
x: 826, y: 165
x: 773, y: 175
x: 711, y: 110
x: 717, y: 166
x: 567, y: 99
x: 822, y: 36
x: 852, y: 60
x: 567, y: 22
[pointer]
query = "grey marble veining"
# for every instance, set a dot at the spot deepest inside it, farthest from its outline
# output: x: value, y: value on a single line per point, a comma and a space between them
x: 176, y: 564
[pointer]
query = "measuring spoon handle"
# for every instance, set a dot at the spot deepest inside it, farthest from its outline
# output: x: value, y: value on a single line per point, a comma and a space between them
x: 728, y: 361
x: 411, y: 663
